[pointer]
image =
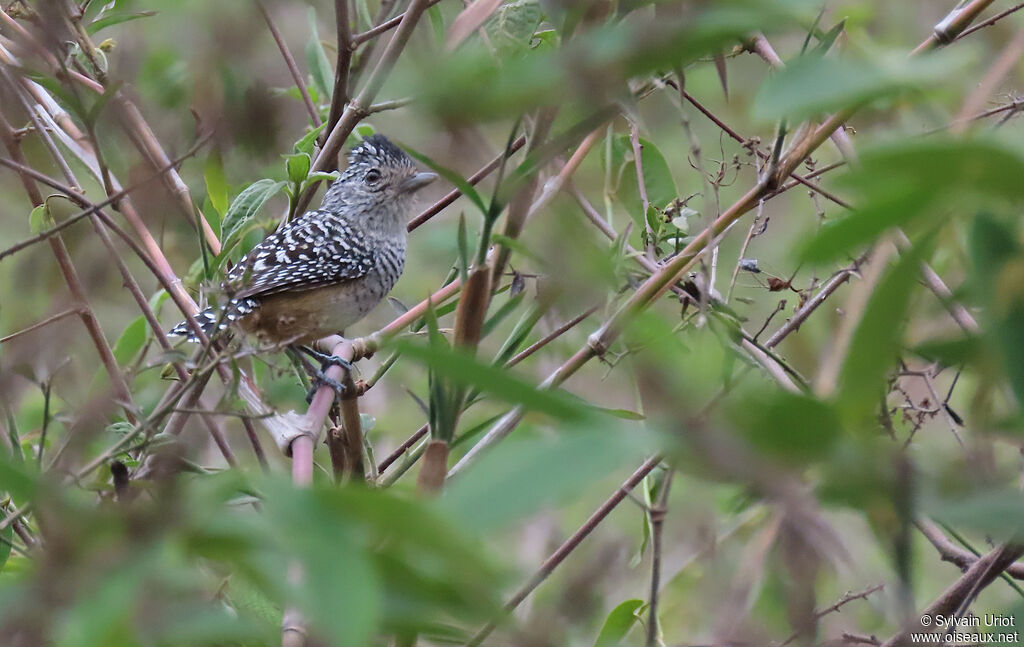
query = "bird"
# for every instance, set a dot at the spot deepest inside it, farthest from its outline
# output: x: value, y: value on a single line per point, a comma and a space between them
x: 326, y: 269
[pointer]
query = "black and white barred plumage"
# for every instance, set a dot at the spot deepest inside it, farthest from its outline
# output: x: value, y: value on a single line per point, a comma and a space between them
x: 325, y: 269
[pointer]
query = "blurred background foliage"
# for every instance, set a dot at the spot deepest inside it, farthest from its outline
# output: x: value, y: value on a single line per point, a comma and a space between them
x: 834, y: 463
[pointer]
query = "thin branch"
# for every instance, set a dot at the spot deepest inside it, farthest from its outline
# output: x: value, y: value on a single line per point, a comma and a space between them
x: 356, y: 109
x: 473, y: 180
x: 39, y: 324
x: 846, y: 599
x: 657, y: 516
x: 991, y: 21
x: 289, y: 62
x: 563, y: 551
x: 343, y: 62
x: 384, y: 27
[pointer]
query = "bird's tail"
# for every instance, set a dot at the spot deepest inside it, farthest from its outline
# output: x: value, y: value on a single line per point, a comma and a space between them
x: 210, y: 320
x: 213, y: 320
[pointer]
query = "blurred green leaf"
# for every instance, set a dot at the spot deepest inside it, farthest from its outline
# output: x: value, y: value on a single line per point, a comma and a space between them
x: 510, y: 28
x: 308, y: 141
x: 826, y: 40
x: 875, y: 345
x: 519, y: 478
x: 465, y: 370
x: 6, y: 537
x: 789, y: 427
x: 116, y: 18
x: 131, y: 341
x: 593, y: 66
x: 903, y: 180
x: 316, y: 59
x: 951, y: 352
x: 811, y: 85
x: 216, y: 183
x: 999, y: 279
x: 16, y: 481
x: 619, y: 622
x: 997, y: 513
x: 244, y: 207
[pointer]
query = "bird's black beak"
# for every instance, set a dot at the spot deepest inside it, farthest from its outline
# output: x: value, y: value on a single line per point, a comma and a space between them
x: 417, y: 181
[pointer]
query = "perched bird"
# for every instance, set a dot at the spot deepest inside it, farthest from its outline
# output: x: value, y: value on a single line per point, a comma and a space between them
x: 326, y: 269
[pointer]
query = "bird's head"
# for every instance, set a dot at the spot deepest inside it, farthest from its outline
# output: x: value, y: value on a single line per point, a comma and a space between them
x: 380, y: 182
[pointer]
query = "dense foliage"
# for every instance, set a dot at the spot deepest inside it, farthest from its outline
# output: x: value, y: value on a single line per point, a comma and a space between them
x: 712, y: 332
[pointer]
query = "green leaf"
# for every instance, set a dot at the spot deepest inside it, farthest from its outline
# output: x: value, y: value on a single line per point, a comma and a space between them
x: 875, y: 345
x: 826, y: 40
x: 465, y: 370
x: 661, y: 188
x: 518, y: 478
x: 997, y: 513
x: 39, y: 219
x: 789, y: 427
x: 216, y: 183
x: 6, y: 537
x: 308, y: 141
x: 812, y: 85
x: 316, y: 59
x: 905, y: 180
x: 510, y: 28
x: 318, y: 176
x: 514, y: 245
x: 999, y: 278
x: 606, y: 56
x: 297, y: 166
x: 245, y: 206
x: 951, y: 352
x: 619, y: 622
x: 116, y: 19
x: 20, y: 484
x: 436, y: 23
x: 131, y: 341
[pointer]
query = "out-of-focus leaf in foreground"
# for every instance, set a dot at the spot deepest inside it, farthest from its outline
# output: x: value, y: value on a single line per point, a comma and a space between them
x: 812, y: 85
x: 523, y: 476
x: 999, y: 280
x: 594, y: 65
x: 902, y: 181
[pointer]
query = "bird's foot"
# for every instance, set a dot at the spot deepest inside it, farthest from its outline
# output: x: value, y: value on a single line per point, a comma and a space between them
x: 321, y: 379
x: 325, y: 359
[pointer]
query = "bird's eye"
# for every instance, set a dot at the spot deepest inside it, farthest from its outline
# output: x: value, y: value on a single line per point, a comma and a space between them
x: 372, y: 176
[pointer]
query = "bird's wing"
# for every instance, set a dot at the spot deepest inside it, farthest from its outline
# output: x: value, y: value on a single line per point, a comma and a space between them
x: 311, y: 251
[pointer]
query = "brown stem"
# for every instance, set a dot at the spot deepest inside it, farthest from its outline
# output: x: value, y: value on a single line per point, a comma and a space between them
x: 343, y: 63
x: 355, y: 110
x: 657, y: 514
x: 384, y: 27
x: 982, y: 573
x: 289, y: 62
x: 433, y: 467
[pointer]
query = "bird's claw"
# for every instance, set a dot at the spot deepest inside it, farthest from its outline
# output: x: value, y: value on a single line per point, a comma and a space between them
x: 326, y: 359
x: 321, y: 379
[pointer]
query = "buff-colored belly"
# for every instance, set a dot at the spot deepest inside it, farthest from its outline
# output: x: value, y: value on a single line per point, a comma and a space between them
x: 303, y: 317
